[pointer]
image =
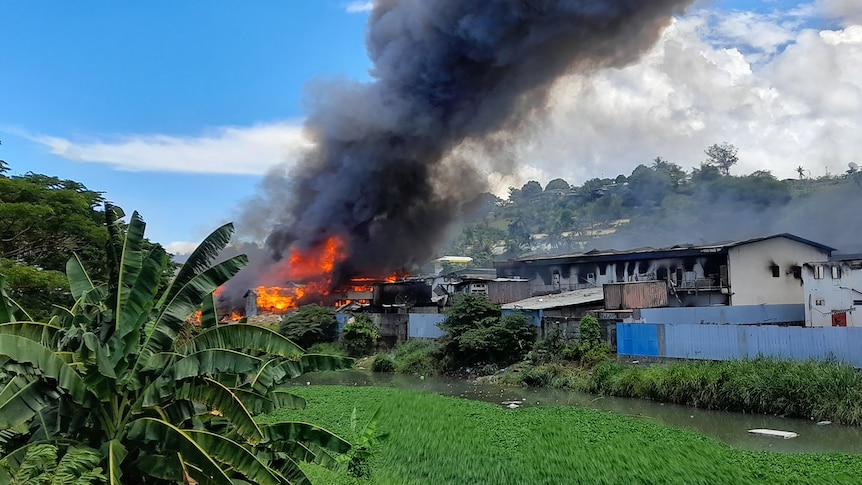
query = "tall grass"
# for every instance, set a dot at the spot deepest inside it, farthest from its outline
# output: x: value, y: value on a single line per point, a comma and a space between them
x: 435, y: 439
x: 811, y: 390
x: 418, y: 357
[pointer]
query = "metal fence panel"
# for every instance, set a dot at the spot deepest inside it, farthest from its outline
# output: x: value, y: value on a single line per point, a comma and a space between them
x: 726, y: 342
x: 424, y: 325
x: 727, y: 315
x: 639, y: 339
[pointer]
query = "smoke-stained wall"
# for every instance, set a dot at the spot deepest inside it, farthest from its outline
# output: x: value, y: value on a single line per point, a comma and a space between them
x: 385, y: 173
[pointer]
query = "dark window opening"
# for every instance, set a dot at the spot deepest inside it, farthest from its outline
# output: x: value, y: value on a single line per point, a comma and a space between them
x: 776, y: 271
x: 797, y: 272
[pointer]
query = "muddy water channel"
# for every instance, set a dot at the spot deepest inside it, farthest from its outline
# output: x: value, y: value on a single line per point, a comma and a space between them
x: 730, y: 428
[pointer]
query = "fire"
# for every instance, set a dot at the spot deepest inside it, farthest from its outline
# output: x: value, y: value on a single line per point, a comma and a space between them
x: 312, y: 269
x: 278, y: 300
x: 316, y: 263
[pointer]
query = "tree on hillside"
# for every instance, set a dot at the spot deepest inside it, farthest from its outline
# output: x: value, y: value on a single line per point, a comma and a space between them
x: 722, y: 156
x: 674, y: 171
x: 557, y: 185
x: 647, y: 187
x: 526, y: 193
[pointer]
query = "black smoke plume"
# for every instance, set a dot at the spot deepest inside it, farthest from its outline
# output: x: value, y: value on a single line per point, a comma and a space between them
x: 384, y: 173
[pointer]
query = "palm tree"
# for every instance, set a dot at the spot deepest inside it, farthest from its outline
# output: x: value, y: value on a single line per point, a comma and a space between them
x: 117, y: 374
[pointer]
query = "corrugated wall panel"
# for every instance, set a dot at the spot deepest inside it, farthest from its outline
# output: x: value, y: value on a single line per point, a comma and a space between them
x: 736, y: 315
x: 725, y: 342
x: 424, y: 325
x: 646, y: 294
x: 640, y: 294
x: 613, y: 294
x: 509, y: 291
x: 638, y: 339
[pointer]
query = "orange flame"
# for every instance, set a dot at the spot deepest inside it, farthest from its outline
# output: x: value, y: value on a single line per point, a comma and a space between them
x: 316, y: 263
x: 312, y: 266
x: 278, y: 300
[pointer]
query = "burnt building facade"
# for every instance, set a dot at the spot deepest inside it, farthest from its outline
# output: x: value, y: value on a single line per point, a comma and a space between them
x: 765, y: 270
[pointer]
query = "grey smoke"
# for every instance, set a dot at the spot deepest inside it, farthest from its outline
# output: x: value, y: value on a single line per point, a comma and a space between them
x: 828, y: 214
x: 384, y: 174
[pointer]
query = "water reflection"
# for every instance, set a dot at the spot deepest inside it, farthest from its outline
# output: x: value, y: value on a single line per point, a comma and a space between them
x: 730, y: 428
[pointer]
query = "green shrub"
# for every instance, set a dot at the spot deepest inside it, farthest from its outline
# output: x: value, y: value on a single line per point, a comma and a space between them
x: 382, y: 363
x: 418, y: 357
x: 310, y: 324
x: 591, y: 332
x: 360, y: 336
x: 327, y: 348
x: 540, y: 376
x: 477, y: 333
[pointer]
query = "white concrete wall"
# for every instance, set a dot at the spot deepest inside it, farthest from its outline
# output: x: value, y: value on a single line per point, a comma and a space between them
x: 750, y: 273
x: 827, y: 295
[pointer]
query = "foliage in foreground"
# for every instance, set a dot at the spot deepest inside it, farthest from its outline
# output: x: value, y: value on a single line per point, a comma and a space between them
x: 435, y: 439
x: 120, y: 375
x: 41, y: 466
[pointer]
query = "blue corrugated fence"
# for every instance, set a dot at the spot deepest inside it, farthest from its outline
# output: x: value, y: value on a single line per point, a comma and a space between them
x: 424, y: 325
x: 726, y: 342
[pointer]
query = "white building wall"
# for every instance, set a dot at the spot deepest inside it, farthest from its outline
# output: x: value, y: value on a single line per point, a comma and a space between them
x: 831, y: 292
x: 750, y: 271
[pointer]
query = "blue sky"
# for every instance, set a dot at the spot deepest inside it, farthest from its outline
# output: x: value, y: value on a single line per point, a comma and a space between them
x: 176, y: 108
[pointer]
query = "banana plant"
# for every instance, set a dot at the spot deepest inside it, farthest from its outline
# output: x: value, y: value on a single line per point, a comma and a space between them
x: 112, y: 374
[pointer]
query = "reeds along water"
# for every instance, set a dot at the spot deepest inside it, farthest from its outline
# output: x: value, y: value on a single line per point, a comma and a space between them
x: 809, y: 389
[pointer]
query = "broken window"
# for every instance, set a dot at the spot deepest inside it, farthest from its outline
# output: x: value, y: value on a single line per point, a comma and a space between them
x: 776, y: 271
x: 797, y: 272
x: 818, y: 272
x: 836, y: 272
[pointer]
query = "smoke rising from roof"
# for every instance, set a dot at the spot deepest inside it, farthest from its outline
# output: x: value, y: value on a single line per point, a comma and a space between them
x: 385, y: 173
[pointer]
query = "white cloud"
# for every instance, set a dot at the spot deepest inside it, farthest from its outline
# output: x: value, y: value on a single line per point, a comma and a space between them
x: 359, y: 6
x: 181, y: 247
x: 228, y: 150
x: 793, y: 99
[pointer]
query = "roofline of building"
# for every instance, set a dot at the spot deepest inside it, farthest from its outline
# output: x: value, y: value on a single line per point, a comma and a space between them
x: 674, y: 251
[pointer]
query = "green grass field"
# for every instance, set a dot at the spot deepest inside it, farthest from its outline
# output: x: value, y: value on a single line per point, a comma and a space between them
x: 441, y: 440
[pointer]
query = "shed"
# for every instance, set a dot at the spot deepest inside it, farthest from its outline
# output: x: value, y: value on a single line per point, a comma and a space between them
x: 562, y: 311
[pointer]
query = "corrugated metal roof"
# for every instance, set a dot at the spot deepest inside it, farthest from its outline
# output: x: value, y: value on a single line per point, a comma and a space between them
x: 679, y: 248
x: 568, y: 298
